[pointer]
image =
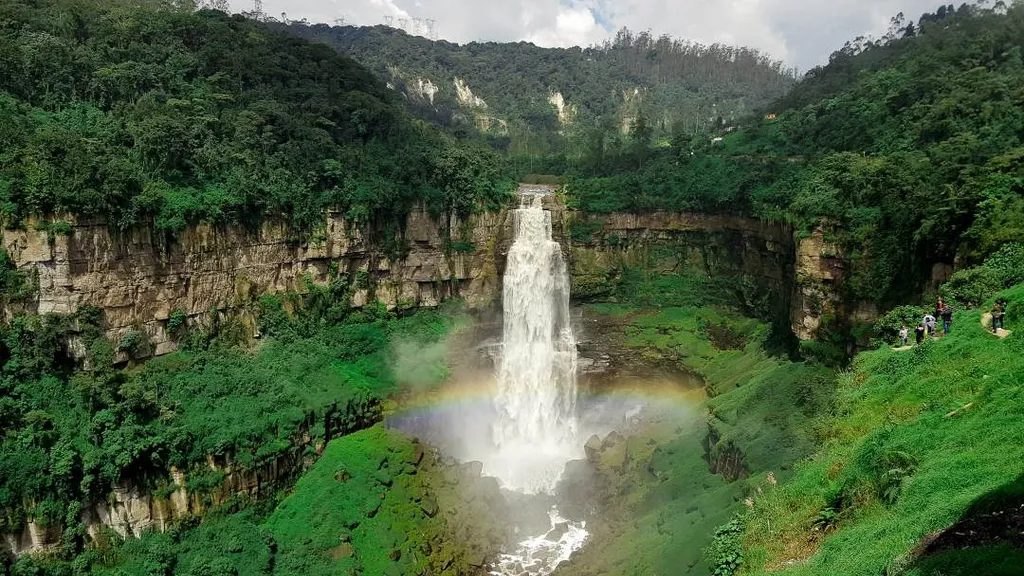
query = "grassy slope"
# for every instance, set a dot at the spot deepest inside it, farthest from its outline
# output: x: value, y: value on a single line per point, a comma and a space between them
x: 346, y: 515
x: 673, y: 502
x: 916, y: 439
x: 377, y: 509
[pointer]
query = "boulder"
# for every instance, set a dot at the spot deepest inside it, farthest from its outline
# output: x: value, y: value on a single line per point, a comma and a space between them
x: 429, y: 507
x: 593, y: 448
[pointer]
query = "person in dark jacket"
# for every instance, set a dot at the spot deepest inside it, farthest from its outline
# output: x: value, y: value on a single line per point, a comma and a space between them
x: 919, y: 333
x: 998, y: 314
x: 947, y: 318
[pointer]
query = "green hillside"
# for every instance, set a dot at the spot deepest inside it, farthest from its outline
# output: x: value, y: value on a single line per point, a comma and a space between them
x: 678, y: 86
x: 140, y: 110
x: 918, y: 441
x: 908, y: 152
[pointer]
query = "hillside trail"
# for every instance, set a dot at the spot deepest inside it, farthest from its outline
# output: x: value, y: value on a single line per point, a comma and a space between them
x: 986, y: 322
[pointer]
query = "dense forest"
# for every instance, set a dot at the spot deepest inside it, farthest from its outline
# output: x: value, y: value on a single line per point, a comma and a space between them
x: 908, y: 151
x: 677, y: 85
x: 139, y: 110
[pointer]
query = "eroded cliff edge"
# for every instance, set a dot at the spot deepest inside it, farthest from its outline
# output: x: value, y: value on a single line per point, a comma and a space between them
x: 139, y: 279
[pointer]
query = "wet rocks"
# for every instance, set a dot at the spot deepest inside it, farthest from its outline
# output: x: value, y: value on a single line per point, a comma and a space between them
x: 556, y: 533
x: 593, y: 447
x: 429, y: 507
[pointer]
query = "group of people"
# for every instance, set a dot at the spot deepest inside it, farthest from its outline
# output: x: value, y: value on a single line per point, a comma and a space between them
x: 929, y: 324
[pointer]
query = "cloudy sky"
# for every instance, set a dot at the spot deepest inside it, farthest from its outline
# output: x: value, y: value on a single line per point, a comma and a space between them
x: 801, y: 32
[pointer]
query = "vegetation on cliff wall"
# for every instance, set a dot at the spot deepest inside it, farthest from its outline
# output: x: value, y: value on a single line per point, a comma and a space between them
x: 906, y: 464
x: 681, y: 479
x: 69, y: 436
x: 908, y: 150
x: 375, y: 502
x: 138, y: 110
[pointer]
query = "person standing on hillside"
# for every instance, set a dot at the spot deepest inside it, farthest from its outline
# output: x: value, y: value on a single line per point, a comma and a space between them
x: 904, y: 334
x: 930, y: 324
x: 947, y: 318
x: 919, y: 333
x: 998, y: 313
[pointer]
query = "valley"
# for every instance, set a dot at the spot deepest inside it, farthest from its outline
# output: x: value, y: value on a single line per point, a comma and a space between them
x: 282, y: 299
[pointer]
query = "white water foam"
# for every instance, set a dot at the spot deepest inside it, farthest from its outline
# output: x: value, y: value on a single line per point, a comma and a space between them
x: 541, y: 555
x: 535, y: 432
x: 536, y: 429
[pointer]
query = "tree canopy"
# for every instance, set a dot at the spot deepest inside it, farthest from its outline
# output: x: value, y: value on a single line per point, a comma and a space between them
x: 908, y: 151
x: 674, y: 83
x: 137, y: 110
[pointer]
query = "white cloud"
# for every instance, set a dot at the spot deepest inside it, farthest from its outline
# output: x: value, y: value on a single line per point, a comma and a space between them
x: 573, y: 26
x: 801, y: 32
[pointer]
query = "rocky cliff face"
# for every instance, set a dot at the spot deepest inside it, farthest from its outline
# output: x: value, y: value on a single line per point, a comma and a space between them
x: 138, y: 279
x: 821, y: 268
x: 758, y: 254
x: 131, y: 509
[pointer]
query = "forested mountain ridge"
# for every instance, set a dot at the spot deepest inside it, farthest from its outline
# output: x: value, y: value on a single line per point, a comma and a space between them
x: 906, y: 151
x: 139, y: 111
x: 530, y: 98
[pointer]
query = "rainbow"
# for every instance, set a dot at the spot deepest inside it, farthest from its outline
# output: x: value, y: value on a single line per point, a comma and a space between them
x: 455, y: 396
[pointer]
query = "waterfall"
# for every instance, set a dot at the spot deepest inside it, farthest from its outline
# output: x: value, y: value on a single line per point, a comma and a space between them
x: 536, y: 375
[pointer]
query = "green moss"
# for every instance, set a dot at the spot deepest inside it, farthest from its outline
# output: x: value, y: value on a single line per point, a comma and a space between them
x: 359, y: 493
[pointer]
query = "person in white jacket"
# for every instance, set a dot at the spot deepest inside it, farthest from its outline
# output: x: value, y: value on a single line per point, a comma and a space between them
x: 930, y: 324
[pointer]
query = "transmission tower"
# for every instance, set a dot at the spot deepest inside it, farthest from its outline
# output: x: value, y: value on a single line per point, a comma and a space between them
x: 257, y: 9
x: 389, y: 21
x: 403, y: 23
x: 431, y: 28
x: 417, y: 26
x: 339, y: 21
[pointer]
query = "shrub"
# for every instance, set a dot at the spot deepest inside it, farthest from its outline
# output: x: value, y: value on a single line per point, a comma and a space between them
x: 725, y: 554
x: 887, y: 328
x: 972, y: 286
x: 582, y: 230
x: 130, y: 341
x: 177, y: 321
x: 542, y: 179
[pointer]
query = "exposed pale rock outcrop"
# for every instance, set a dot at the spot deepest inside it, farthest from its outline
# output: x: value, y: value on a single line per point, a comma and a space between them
x: 138, y: 278
x: 565, y: 112
x: 466, y: 97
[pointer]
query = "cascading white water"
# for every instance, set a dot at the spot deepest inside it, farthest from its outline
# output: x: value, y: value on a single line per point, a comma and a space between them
x: 537, y: 372
x: 535, y: 430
